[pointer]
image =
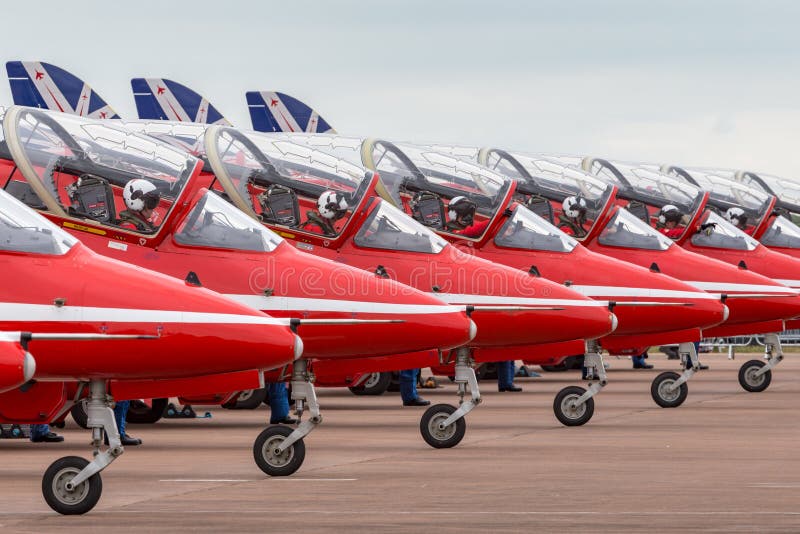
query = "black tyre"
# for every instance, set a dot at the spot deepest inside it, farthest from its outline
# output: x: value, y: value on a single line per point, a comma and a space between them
x: 375, y: 384
x: 567, y: 412
x: 78, y: 413
x: 249, y: 399
x: 748, y: 379
x: 663, y: 394
x: 441, y: 438
x: 80, y: 499
x: 142, y: 414
x: 270, y: 461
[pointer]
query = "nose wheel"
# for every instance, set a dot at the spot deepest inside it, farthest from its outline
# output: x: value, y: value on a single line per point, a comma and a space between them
x: 271, y: 458
x: 753, y: 377
x: 666, y: 390
x: 72, y: 485
x: 569, y: 407
x: 65, y: 498
x: 435, y: 430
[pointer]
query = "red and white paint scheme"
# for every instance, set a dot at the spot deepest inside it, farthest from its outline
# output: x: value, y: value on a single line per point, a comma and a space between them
x: 74, y: 170
x: 74, y: 316
x: 757, y: 304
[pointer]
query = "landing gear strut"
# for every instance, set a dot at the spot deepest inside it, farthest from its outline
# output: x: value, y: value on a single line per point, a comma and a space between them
x: 442, y: 425
x: 72, y: 485
x: 278, y: 450
x: 574, y: 406
x: 755, y: 375
x: 669, y: 389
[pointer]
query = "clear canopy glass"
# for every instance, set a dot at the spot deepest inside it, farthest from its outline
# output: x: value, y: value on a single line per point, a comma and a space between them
x: 526, y: 230
x: 23, y: 230
x: 782, y: 233
x: 254, y: 162
x: 657, y: 189
x: 186, y: 136
x: 627, y: 230
x: 787, y: 190
x: 213, y: 222
x: 389, y: 228
x: 722, y: 235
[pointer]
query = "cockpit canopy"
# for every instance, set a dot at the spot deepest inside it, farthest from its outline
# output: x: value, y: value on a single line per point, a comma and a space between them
x: 286, y: 183
x: 526, y: 230
x: 716, y: 232
x: 389, y: 228
x: 23, y: 230
x: 726, y: 194
x: 72, y: 166
x: 628, y: 231
x: 786, y: 190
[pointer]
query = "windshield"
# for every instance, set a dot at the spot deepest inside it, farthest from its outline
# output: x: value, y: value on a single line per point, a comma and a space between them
x: 722, y: 235
x: 81, y: 166
x: 310, y: 189
x: 527, y: 230
x: 23, y: 230
x: 626, y: 230
x: 213, y: 222
x: 389, y: 228
x: 726, y: 194
x: 782, y: 233
x: 542, y: 178
x: 657, y: 189
x: 407, y: 170
x: 786, y: 189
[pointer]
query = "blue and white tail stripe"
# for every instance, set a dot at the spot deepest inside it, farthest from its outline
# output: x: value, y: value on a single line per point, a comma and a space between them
x: 162, y: 99
x: 46, y: 86
x: 271, y: 111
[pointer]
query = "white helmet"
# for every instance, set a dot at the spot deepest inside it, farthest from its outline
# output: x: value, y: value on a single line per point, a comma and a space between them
x: 140, y: 194
x: 736, y: 216
x: 573, y: 207
x: 669, y: 213
x: 331, y: 205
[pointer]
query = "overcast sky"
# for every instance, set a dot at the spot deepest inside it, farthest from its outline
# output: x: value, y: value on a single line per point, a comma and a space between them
x: 711, y: 83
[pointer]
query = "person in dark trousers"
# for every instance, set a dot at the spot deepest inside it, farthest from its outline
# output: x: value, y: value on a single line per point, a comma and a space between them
x: 408, y: 388
x: 279, y: 404
x: 505, y: 376
x: 42, y: 434
x: 120, y: 415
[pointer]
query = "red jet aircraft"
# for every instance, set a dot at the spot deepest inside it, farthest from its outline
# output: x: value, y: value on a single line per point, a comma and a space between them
x: 68, y: 296
x: 75, y: 169
x: 272, y: 180
x: 757, y: 303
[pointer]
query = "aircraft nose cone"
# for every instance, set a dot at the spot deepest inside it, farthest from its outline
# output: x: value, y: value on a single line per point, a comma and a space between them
x: 28, y: 366
x: 614, y: 322
x: 726, y: 312
x: 298, y: 347
x: 473, y: 330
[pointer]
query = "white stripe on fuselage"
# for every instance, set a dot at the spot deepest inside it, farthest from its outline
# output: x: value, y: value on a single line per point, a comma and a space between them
x: 619, y: 291
x: 23, y: 312
x: 455, y: 298
x: 285, y: 304
x: 795, y: 284
x: 728, y: 287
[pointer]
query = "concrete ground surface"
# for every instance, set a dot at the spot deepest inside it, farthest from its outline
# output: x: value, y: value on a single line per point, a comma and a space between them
x: 726, y: 461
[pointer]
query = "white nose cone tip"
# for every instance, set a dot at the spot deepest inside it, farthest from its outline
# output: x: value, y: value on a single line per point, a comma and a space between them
x: 473, y: 330
x: 28, y: 366
x: 298, y: 347
x: 725, y: 313
x: 614, y: 322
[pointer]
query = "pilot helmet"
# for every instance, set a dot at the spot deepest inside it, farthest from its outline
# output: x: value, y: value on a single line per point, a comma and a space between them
x: 332, y: 205
x: 669, y: 213
x: 461, y: 211
x: 140, y: 194
x: 736, y: 216
x: 573, y: 207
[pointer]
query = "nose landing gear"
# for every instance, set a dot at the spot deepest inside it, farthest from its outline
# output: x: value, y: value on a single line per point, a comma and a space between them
x: 669, y: 389
x: 574, y: 405
x: 755, y: 376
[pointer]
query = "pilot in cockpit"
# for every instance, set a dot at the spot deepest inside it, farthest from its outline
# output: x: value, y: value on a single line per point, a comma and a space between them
x: 573, y: 216
x: 331, y: 206
x: 669, y: 218
x: 461, y: 218
x: 141, y: 199
x: 738, y: 218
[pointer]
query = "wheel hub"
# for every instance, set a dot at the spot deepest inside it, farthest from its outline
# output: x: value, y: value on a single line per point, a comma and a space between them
x: 372, y: 381
x: 273, y: 455
x: 440, y: 431
x: 753, y: 379
x: 62, y: 491
x: 571, y: 408
x: 668, y: 391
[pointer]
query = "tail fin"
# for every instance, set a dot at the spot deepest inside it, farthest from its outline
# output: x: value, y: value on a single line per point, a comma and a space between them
x: 162, y: 99
x: 43, y: 85
x: 278, y: 112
